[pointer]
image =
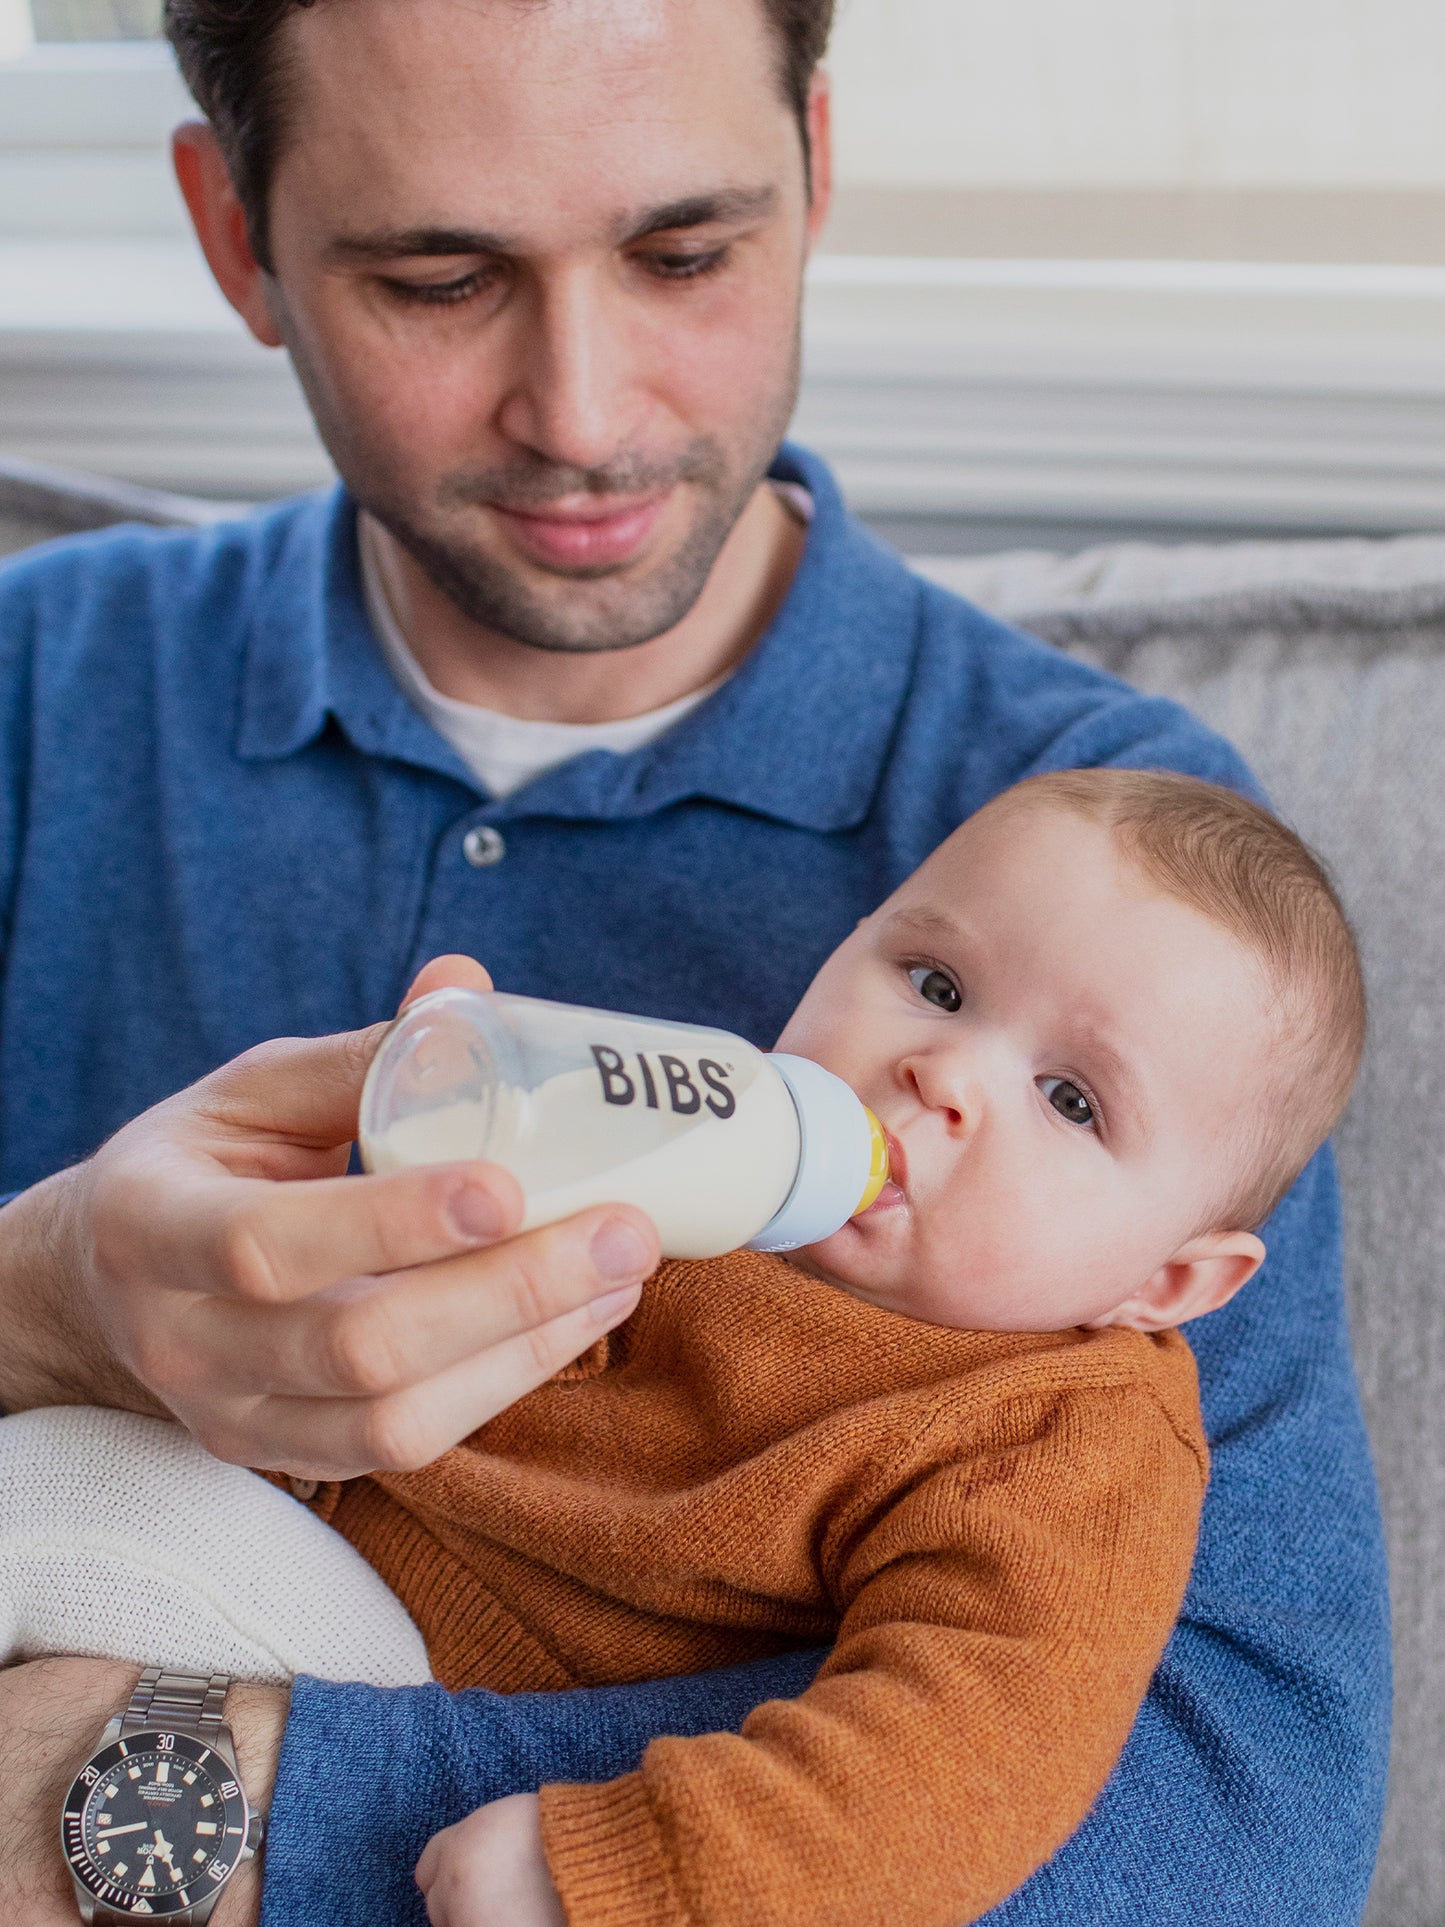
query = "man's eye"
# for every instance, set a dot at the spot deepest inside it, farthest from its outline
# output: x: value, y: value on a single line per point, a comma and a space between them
x: 441, y: 294
x: 685, y: 267
x: 1068, y: 1100
x: 935, y: 988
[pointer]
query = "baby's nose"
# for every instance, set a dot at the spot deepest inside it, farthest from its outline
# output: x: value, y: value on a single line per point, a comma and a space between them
x: 943, y: 1087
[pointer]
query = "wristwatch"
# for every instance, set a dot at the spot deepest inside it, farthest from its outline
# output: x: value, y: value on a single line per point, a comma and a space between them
x: 156, y: 1821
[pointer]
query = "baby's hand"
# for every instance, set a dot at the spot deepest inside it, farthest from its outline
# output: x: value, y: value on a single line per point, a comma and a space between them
x: 490, y: 1871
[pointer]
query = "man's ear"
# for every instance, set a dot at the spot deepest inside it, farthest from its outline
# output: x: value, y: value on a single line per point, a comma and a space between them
x: 820, y: 143
x: 220, y: 224
x: 1201, y: 1276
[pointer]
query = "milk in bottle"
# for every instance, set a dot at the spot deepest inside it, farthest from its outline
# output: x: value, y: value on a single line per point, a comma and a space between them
x: 719, y: 1144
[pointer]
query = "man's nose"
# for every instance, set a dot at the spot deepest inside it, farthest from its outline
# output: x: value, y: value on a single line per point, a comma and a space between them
x: 572, y: 398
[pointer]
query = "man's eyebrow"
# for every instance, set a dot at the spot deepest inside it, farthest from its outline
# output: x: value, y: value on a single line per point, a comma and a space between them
x: 394, y: 243
x: 720, y: 207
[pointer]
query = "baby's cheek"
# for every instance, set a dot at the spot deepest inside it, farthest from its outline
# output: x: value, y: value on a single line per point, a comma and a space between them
x: 1020, y: 1268
x: 968, y: 1274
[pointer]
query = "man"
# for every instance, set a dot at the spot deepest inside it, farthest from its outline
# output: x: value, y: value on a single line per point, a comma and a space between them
x: 580, y: 691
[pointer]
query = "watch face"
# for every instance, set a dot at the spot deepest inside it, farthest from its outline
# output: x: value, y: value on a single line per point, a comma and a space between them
x: 154, y: 1824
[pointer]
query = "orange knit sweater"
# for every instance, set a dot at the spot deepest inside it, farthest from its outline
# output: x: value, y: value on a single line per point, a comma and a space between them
x: 995, y: 1529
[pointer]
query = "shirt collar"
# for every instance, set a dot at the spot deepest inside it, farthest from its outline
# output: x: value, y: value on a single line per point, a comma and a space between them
x: 311, y: 654
x: 799, y: 732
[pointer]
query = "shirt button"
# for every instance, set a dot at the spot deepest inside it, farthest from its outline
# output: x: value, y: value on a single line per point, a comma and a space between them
x: 304, y: 1489
x: 483, y: 847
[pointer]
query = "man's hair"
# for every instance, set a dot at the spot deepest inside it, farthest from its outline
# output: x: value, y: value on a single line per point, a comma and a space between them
x: 1238, y: 865
x: 227, y: 50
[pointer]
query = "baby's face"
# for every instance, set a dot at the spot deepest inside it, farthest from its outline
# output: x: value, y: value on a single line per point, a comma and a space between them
x: 1065, y: 1060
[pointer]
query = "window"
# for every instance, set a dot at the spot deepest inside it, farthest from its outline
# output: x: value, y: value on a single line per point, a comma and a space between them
x: 95, y: 19
x: 24, y: 22
x: 1238, y: 130
x: 1135, y: 263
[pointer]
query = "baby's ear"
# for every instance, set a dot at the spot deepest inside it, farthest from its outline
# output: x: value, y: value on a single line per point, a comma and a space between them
x: 1201, y: 1276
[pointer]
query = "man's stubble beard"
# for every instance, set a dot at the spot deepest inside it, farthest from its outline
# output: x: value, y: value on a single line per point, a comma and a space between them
x: 586, y: 611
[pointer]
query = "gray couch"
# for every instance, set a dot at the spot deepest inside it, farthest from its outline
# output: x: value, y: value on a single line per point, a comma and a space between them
x: 1325, y: 662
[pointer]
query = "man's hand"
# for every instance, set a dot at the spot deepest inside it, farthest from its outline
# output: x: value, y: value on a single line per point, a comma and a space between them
x: 490, y: 1871
x: 51, y: 1715
x: 323, y: 1328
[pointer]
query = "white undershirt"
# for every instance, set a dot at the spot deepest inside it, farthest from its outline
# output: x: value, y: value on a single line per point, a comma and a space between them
x: 505, y: 752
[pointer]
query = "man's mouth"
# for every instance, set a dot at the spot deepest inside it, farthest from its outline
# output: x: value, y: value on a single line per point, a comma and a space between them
x: 589, y: 533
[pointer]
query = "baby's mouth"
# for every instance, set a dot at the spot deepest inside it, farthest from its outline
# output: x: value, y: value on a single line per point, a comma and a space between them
x: 895, y: 1191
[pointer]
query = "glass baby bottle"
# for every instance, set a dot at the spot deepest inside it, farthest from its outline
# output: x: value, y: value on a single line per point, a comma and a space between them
x: 721, y: 1145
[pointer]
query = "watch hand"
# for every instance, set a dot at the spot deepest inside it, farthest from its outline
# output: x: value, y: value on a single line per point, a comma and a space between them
x: 165, y: 1850
x: 112, y: 1833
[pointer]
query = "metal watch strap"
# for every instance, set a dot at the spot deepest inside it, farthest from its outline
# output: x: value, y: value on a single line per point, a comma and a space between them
x: 176, y: 1703
x: 179, y: 1702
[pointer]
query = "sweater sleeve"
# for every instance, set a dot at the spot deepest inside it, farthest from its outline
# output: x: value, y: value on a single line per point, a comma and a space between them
x: 1000, y: 1627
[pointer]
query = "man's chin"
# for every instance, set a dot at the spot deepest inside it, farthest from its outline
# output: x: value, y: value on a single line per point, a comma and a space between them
x: 576, y: 608
x: 576, y: 623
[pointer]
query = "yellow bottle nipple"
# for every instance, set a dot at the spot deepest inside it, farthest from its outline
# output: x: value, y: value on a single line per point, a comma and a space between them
x: 877, y: 1168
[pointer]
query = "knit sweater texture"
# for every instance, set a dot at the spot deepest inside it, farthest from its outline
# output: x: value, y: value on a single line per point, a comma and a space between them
x: 996, y: 1530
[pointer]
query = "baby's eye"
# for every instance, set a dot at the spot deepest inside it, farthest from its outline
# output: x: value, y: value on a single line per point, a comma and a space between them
x: 1068, y: 1100
x: 935, y: 988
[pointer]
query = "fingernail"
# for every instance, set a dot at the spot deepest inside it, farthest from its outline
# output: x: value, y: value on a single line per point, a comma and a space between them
x: 476, y: 1213
x: 617, y: 1305
x: 618, y: 1251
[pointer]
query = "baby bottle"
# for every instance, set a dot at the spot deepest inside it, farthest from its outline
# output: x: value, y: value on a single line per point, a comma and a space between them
x: 719, y: 1144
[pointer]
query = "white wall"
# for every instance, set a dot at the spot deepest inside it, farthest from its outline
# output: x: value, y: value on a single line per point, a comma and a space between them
x: 15, y: 29
x: 1142, y: 93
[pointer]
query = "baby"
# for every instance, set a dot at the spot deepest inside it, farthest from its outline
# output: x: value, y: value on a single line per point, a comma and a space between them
x: 1105, y: 1026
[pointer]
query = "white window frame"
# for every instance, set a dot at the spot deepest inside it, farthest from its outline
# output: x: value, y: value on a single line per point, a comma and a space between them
x: 83, y: 133
x: 88, y: 94
x: 1198, y: 393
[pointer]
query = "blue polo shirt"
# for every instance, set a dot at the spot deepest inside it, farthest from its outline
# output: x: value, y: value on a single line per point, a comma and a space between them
x: 221, y: 821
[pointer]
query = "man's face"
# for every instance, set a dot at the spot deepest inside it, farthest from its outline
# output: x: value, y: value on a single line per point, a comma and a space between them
x: 539, y: 265
x: 1066, y: 1061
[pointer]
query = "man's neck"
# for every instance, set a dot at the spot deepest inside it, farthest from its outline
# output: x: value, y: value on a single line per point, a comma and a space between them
x: 473, y: 664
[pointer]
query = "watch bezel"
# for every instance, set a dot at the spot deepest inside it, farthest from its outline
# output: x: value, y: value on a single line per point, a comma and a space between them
x: 235, y: 1809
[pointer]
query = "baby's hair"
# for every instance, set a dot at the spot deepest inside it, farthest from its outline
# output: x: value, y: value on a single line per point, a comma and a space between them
x: 1246, y: 871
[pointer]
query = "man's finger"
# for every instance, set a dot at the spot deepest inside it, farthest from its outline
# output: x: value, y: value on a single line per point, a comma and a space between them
x: 271, y: 1244
x: 426, y: 1867
x: 447, y: 973
x: 263, y: 1243
x: 305, y: 1090
x: 407, y: 1328
x: 345, y: 1438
